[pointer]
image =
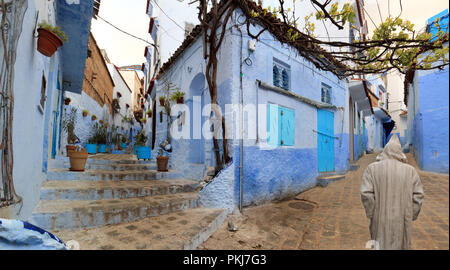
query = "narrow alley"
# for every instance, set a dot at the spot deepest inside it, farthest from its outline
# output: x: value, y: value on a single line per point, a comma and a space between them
x: 332, y: 218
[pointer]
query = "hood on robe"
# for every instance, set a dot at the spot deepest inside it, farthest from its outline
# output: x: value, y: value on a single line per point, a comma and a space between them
x: 393, y: 150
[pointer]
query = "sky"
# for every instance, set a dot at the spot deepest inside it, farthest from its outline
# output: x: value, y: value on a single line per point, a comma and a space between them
x: 131, y: 16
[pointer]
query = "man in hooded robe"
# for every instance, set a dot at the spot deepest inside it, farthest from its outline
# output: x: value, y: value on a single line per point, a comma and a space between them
x: 392, y: 196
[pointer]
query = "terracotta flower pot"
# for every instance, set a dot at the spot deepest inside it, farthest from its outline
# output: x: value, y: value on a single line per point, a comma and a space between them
x: 149, y: 115
x: 70, y: 148
x: 85, y: 114
x: 180, y: 100
x: 93, y: 118
x: 161, y: 102
x: 48, y: 42
x: 78, y: 160
x: 101, y: 121
x: 162, y: 163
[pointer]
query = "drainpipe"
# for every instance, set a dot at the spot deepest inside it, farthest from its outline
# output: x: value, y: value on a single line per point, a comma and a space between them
x: 241, y: 165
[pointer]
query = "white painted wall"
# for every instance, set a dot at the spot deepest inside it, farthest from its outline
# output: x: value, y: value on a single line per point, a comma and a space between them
x: 29, y: 122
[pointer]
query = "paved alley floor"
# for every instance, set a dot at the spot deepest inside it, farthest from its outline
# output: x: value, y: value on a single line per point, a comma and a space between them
x: 332, y: 218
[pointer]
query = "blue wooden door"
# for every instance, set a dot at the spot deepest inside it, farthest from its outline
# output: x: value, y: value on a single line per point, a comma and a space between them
x: 325, y: 140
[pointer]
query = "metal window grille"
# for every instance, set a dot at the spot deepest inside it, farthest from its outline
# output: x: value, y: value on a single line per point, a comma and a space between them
x: 281, y: 75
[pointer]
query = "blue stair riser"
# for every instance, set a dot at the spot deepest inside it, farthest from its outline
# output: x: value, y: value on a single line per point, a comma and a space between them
x: 107, y: 193
x: 81, y: 218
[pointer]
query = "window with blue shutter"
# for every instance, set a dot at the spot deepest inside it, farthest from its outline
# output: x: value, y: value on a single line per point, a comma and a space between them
x: 280, y: 126
x: 281, y: 74
x: 287, y: 117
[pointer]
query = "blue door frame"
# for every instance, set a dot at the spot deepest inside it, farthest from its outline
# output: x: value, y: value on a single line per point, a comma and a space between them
x: 325, y: 140
x: 55, y: 118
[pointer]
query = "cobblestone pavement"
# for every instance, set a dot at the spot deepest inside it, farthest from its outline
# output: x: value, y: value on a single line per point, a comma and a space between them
x: 175, y: 231
x: 332, y: 218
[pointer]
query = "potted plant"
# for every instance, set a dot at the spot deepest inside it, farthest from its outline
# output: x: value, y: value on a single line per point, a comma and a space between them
x: 102, y: 137
x: 67, y: 101
x: 50, y: 38
x: 144, y: 121
x: 143, y: 152
x: 115, y: 138
x: 94, y: 117
x: 78, y: 159
x: 149, y: 113
x: 124, y: 141
x: 162, y: 159
x: 77, y: 155
x: 85, y: 113
x: 69, y: 127
x: 162, y: 100
x: 91, y: 146
x: 178, y: 96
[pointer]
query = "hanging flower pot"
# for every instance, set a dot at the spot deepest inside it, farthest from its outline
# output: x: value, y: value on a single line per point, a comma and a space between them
x: 93, y: 118
x: 149, y: 113
x: 48, y: 42
x: 144, y: 121
x: 101, y: 121
x: 162, y: 100
x: 178, y: 96
x: 85, y: 113
x: 67, y: 101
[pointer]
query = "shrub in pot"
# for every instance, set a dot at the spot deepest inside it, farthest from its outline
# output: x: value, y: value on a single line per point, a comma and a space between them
x: 142, y: 151
x: 102, y: 138
x: 50, y: 38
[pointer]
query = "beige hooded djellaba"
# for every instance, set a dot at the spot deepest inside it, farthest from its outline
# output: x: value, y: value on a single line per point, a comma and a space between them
x: 392, y: 196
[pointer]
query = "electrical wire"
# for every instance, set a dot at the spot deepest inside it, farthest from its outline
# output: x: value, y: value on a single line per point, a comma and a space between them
x: 125, y: 32
x: 182, y: 28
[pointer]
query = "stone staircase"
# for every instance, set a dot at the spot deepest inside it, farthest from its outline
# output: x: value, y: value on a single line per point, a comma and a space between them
x: 114, y: 190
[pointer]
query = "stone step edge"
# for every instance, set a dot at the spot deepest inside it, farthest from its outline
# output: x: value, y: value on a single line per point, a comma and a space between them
x: 185, y: 196
x: 205, y: 233
x: 75, y: 193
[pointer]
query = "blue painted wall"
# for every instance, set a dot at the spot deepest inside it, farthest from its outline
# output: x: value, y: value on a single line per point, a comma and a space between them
x: 431, y: 124
x: 269, y: 173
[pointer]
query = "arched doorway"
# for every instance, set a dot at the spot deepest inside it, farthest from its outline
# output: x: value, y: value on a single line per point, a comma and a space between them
x: 195, y: 103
